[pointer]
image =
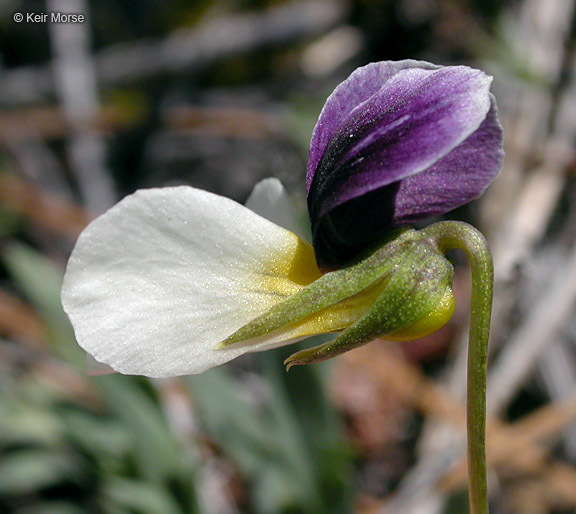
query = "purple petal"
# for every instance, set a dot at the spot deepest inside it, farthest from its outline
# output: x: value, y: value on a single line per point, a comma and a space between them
x: 460, y: 177
x: 455, y: 180
x: 389, y: 148
x: 355, y: 90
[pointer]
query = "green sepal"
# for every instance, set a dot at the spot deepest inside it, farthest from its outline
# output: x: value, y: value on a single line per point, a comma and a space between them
x: 417, y: 286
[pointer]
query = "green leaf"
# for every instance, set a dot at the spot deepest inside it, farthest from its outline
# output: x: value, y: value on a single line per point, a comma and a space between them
x: 27, y: 471
x: 141, y: 497
x: 242, y: 429
x: 24, y: 424
x: 102, y: 438
x: 156, y: 453
x: 287, y: 445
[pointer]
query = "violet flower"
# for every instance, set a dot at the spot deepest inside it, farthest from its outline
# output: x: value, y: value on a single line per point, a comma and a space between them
x: 177, y: 280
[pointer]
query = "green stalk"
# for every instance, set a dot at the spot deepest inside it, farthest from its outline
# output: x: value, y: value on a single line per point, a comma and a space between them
x: 449, y: 235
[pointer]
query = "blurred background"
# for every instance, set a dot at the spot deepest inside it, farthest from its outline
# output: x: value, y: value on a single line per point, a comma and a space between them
x: 220, y: 94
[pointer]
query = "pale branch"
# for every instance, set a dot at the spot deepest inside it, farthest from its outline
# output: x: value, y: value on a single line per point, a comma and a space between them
x: 186, y: 49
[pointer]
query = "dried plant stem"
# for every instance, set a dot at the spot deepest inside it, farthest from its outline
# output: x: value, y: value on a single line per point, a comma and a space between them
x: 47, y: 211
x: 450, y: 235
x: 546, y: 319
x: 76, y: 88
x: 189, y: 50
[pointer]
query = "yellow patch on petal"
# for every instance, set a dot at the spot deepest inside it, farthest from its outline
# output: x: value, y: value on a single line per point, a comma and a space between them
x: 291, y: 268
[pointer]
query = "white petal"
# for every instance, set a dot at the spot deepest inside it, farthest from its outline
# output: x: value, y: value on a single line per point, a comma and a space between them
x: 270, y: 200
x: 165, y: 275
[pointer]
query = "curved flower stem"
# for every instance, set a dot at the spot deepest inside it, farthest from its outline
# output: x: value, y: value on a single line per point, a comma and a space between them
x: 447, y: 236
